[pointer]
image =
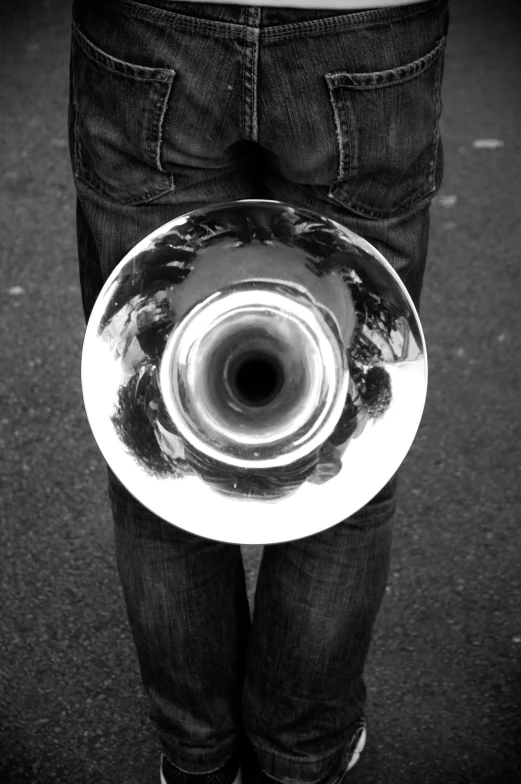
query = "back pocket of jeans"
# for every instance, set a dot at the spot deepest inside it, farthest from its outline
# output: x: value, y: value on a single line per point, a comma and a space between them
x: 387, y: 126
x: 118, y: 116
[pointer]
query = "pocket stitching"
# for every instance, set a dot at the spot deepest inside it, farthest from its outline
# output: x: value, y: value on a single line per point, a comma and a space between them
x: 401, y: 74
x: 336, y: 80
x: 120, y: 67
x: 164, y: 78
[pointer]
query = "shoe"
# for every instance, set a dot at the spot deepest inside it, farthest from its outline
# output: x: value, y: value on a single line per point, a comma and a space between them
x: 171, y: 775
x: 352, y: 753
x: 356, y: 745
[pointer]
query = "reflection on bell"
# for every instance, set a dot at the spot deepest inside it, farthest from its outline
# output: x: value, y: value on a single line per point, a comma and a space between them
x: 254, y: 372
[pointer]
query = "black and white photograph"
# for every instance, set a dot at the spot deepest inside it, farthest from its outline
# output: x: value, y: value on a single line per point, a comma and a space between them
x: 260, y: 372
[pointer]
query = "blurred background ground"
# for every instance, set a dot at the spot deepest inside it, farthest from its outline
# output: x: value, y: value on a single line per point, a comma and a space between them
x: 444, y: 668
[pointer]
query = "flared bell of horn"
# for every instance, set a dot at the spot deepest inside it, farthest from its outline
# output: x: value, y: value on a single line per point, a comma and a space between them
x: 254, y: 372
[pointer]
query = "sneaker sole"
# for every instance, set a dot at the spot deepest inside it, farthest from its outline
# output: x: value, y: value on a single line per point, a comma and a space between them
x: 237, y: 779
x: 358, y: 749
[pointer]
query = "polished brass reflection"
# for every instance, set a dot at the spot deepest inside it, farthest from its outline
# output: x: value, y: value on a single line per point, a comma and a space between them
x: 254, y: 372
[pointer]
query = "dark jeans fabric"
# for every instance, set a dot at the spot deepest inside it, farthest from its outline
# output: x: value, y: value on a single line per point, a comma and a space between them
x: 175, y: 106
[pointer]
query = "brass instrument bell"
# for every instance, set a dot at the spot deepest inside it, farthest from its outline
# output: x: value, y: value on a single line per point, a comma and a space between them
x: 254, y: 372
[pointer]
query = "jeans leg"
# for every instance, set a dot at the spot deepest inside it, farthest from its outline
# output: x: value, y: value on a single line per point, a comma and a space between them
x: 189, y: 616
x: 315, y: 605
x: 363, y: 149
x: 149, y: 141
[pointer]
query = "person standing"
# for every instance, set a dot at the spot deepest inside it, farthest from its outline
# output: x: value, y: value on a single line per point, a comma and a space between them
x: 332, y: 106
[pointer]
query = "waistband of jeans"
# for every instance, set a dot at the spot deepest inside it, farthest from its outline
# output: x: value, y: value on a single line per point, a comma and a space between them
x: 230, y: 20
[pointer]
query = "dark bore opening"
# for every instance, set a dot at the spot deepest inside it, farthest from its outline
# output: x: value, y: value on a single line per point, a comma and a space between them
x: 257, y: 380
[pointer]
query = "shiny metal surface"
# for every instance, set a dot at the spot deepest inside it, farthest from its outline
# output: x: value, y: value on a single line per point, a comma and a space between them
x: 254, y: 372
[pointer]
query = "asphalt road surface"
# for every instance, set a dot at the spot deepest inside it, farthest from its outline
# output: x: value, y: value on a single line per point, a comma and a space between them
x: 444, y: 668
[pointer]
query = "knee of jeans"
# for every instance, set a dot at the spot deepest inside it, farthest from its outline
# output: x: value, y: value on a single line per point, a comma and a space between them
x: 387, y: 494
x: 119, y: 496
x: 131, y: 516
x: 381, y: 508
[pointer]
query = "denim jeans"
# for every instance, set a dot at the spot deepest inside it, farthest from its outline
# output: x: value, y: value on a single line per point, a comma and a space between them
x: 175, y: 106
